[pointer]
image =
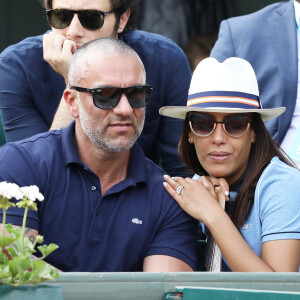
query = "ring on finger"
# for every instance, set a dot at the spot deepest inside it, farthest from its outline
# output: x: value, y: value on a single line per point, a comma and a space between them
x: 179, y: 189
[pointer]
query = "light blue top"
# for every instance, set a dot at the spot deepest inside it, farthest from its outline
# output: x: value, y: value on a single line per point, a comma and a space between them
x: 275, y: 214
x: 276, y: 210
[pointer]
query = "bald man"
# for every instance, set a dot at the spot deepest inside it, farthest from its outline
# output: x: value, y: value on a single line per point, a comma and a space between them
x: 105, y: 205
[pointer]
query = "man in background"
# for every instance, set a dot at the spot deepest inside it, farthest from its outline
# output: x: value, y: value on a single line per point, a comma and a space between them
x: 268, y: 39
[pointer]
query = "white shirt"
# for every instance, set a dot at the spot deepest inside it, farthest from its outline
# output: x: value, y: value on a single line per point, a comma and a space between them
x: 291, y: 142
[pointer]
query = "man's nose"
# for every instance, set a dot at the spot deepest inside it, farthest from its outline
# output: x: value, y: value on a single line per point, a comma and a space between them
x: 75, y: 29
x: 123, y: 106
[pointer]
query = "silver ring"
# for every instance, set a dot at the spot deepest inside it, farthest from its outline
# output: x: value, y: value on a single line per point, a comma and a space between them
x: 179, y: 189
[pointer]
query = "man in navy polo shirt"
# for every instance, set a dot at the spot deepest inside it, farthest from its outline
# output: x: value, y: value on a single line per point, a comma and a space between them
x: 105, y: 205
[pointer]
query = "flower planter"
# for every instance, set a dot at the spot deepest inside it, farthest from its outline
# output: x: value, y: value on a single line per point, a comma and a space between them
x: 31, y: 292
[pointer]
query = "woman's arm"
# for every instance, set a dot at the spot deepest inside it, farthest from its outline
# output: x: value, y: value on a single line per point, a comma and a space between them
x: 276, y: 256
x: 199, y: 199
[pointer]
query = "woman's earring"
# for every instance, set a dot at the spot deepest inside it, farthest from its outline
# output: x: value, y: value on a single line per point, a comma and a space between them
x: 190, y: 140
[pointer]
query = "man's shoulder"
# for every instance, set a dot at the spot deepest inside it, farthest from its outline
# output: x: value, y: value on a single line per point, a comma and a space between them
x: 153, y: 168
x: 35, y: 144
x: 32, y: 160
x: 28, y: 47
x: 143, y: 170
x: 259, y: 15
x: 142, y: 40
x: 41, y: 138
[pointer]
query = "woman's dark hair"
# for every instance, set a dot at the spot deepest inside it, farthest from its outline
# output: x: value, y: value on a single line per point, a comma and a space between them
x: 119, y: 6
x: 261, y: 153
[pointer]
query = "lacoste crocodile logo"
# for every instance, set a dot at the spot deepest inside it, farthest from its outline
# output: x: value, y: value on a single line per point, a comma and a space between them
x: 137, y: 221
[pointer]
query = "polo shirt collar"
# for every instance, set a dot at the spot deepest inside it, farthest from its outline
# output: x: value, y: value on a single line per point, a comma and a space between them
x: 69, y: 146
x: 137, y: 163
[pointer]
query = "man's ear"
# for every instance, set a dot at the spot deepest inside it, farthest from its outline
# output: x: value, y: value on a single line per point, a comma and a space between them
x: 123, y: 20
x: 72, y: 102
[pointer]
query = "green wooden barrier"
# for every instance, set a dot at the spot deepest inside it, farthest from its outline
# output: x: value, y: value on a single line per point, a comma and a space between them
x: 154, y: 285
x: 195, y: 293
x: 31, y: 292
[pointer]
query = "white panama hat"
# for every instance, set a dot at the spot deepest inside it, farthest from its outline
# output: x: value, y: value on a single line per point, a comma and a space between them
x: 228, y: 87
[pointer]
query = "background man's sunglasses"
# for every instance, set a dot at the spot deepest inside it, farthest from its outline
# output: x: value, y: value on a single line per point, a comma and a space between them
x: 89, y: 19
x: 108, y: 97
x: 235, y: 125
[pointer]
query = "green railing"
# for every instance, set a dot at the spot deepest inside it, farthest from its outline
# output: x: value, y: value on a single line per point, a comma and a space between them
x: 161, y: 285
x: 195, y: 293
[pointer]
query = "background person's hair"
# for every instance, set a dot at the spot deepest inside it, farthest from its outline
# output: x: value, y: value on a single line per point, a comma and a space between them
x: 106, y: 46
x: 199, y: 47
x: 119, y: 6
x: 261, y: 153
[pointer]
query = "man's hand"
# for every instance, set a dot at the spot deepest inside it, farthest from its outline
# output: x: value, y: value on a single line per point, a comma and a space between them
x: 58, y: 51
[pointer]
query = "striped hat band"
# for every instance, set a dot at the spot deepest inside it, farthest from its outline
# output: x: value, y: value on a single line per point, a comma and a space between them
x: 226, y: 99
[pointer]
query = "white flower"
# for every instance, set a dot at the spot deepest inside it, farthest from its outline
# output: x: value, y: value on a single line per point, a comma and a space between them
x: 10, y: 190
x: 32, y: 193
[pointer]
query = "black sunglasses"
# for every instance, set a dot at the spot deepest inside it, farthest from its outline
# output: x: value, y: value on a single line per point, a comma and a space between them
x: 89, y: 19
x: 235, y: 125
x: 108, y: 97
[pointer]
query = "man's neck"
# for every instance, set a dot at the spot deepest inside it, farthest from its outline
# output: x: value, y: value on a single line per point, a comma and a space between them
x: 110, y: 167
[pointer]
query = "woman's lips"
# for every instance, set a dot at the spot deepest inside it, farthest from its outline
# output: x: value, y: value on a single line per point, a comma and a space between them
x: 219, y: 156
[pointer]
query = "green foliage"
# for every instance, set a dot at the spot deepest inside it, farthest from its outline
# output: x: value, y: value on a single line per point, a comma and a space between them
x: 46, y: 250
x: 17, y: 264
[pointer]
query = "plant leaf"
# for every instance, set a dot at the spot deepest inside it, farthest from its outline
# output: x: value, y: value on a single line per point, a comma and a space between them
x: 3, y: 259
x: 6, y: 240
x: 5, y: 274
x: 12, y: 229
x: 19, y: 265
x: 46, y: 250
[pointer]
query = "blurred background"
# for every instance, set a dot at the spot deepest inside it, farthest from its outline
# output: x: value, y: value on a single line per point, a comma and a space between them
x: 187, y: 22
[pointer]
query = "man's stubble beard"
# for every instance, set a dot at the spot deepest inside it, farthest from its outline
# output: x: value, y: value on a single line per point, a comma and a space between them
x: 100, y: 139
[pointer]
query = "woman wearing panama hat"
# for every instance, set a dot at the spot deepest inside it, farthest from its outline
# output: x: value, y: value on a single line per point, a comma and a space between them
x: 225, y: 141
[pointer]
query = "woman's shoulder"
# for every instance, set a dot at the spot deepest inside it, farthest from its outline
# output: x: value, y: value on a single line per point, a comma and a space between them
x: 278, y: 166
x: 279, y: 177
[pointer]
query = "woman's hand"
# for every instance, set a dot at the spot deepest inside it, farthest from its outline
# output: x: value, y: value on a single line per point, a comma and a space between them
x: 199, y: 198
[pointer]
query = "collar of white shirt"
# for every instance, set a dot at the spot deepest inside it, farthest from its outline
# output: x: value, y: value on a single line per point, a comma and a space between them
x: 297, y: 12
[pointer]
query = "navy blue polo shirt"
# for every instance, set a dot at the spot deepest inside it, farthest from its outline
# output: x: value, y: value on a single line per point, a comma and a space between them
x: 111, y: 232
